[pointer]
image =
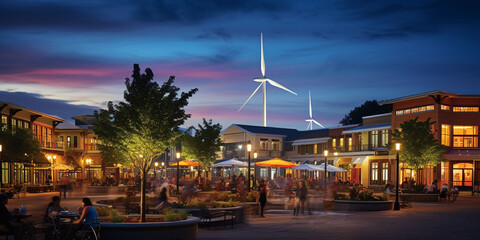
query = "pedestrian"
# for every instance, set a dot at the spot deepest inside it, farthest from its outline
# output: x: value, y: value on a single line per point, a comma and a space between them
x: 262, y: 196
x: 64, y: 187
x: 298, y: 194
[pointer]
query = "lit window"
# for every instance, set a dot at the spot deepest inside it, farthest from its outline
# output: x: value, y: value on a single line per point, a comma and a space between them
x: 334, y: 142
x: 384, y: 172
x: 445, y: 107
x: 275, y: 144
x: 350, y: 144
x: 465, y: 136
x: 374, y: 139
x: 374, y: 173
x: 263, y: 143
x: 341, y: 142
x: 465, y: 109
x: 415, y: 110
x: 446, y: 135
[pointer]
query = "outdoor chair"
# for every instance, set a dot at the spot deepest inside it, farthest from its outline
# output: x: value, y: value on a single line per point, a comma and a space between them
x: 207, y: 218
x: 91, y: 232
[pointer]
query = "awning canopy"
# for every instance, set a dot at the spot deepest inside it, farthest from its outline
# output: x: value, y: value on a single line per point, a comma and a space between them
x: 358, y: 160
x: 330, y: 168
x: 310, y: 141
x: 276, y: 162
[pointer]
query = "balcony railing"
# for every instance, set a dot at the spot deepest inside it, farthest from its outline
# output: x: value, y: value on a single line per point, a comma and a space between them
x: 269, y: 153
x: 90, y: 146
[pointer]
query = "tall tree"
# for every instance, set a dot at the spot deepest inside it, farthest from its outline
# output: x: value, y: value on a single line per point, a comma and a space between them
x: 203, y: 144
x: 366, y: 109
x: 140, y: 128
x: 419, y: 147
x: 18, y: 145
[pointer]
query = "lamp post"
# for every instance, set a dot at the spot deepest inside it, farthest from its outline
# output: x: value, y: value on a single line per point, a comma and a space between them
x: 325, y: 153
x: 178, y: 170
x: 163, y: 164
x: 396, y: 206
x: 255, y: 155
x: 155, y: 168
x: 249, y: 149
x: 1, y: 167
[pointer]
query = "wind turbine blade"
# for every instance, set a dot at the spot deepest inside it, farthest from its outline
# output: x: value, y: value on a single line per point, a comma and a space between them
x: 318, y: 123
x: 310, y: 104
x: 279, y: 86
x: 262, y: 63
x: 250, y: 96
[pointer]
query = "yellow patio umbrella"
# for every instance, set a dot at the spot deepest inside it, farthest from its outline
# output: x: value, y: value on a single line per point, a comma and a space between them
x: 276, y: 162
x: 186, y: 163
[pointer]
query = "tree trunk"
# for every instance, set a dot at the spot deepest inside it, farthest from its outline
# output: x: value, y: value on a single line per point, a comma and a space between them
x: 142, y: 195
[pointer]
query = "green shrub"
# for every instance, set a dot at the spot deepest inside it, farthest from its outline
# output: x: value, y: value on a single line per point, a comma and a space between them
x: 354, y: 191
x: 170, y: 215
x: 116, y: 217
x: 183, y: 214
x: 103, y: 211
x: 365, y: 195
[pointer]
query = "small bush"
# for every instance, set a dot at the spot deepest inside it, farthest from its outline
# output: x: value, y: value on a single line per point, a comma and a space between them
x: 116, y: 217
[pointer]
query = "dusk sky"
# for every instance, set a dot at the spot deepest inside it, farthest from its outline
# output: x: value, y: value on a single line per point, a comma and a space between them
x: 68, y: 58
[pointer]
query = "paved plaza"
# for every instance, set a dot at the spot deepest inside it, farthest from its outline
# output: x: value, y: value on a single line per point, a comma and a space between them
x: 453, y: 220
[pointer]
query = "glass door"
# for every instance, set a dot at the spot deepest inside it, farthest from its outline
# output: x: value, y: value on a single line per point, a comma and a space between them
x: 463, y: 176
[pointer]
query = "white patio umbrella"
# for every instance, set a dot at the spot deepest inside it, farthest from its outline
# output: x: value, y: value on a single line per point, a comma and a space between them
x: 231, y: 163
x: 330, y: 168
x: 306, y: 166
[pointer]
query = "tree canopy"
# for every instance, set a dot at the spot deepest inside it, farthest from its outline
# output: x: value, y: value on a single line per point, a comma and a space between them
x: 419, y: 147
x: 366, y: 109
x: 139, y: 129
x: 18, y: 145
x: 204, y: 143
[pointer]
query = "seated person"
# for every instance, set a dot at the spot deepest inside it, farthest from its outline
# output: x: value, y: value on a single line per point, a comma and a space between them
x: 162, y: 200
x: 454, y: 192
x: 7, y: 224
x: 444, y: 192
x: 53, y: 209
x: 89, y: 214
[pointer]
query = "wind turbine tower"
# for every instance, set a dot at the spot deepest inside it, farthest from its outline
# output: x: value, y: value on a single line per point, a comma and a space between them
x: 311, y: 120
x: 263, y: 83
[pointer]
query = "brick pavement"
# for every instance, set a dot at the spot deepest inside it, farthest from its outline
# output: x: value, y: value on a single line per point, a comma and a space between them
x: 458, y: 220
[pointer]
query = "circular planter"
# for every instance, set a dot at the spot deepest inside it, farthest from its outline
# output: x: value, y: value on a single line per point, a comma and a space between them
x: 185, y: 229
x: 349, y: 205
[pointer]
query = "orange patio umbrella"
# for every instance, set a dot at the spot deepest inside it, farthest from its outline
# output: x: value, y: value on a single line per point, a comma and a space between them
x: 186, y: 163
x: 276, y: 162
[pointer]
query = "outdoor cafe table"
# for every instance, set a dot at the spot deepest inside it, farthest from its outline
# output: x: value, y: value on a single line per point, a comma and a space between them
x: 62, y: 219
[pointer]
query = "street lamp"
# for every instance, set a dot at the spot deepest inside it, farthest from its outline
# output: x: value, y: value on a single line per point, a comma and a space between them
x: 325, y: 153
x: 155, y: 168
x: 249, y: 149
x: 396, y: 206
x: 163, y: 164
x: 1, y: 167
x: 178, y: 170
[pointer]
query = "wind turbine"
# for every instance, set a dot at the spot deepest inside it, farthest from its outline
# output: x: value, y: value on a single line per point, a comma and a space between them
x: 263, y: 82
x: 311, y: 120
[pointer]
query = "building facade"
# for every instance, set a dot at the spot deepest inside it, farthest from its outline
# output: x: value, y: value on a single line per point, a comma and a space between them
x: 456, y: 120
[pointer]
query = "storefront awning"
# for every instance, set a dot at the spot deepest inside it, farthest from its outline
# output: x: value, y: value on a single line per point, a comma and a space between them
x: 359, y: 160
x: 310, y: 141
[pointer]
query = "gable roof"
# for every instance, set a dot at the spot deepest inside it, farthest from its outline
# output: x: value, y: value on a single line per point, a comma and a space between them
x: 288, y: 133
x: 318, y: 133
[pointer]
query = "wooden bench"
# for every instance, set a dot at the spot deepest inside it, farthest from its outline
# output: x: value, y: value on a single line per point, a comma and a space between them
x: 207, y: 217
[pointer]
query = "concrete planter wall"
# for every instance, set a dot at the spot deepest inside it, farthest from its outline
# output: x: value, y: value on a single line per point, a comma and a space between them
x: 349, y: 205
x: 185, y: 229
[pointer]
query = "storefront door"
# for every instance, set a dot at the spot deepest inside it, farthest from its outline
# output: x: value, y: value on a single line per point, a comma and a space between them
x: 463, y: 176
